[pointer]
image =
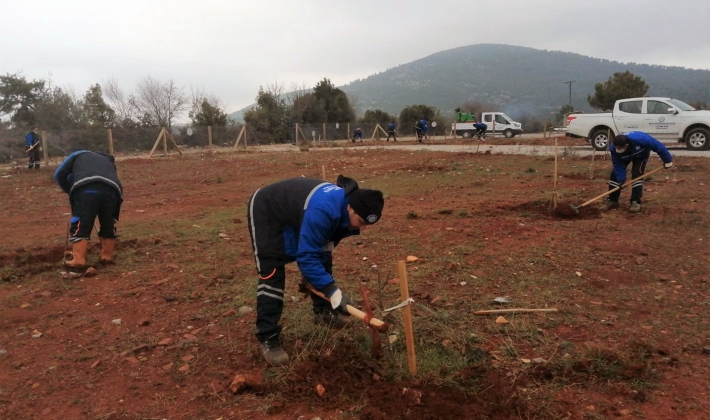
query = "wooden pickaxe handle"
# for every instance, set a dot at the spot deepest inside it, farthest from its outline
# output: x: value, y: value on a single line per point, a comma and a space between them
x: 618, y: 188
x: 374, y: 322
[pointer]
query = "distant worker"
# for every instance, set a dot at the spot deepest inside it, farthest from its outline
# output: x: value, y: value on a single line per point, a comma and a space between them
x: 357, y: 135
x: 391, y: 131
x: 422, y: 128
x: 633, y: 147
x: 481, y: 130
x: 32, y: 147
x: 92, y: 183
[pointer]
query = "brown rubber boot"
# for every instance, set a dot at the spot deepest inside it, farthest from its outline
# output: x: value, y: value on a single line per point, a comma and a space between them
x: 78, y: 255
x: 107, y: 247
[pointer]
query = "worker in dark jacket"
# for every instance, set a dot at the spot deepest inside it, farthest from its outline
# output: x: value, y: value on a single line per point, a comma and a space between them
x: 633, y: 147
x: 421, y: 128
x: 481, y: 130
x: 302, y: 220
x: 32, y: 147
x: 357, y: 135
x: 92, y: 183
x: 391, y: 131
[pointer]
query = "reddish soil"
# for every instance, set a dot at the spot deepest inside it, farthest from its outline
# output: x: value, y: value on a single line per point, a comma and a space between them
x: 630, y: 339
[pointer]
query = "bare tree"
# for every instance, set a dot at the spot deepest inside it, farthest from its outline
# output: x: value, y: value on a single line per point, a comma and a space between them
x: 159, y: 102
x: 119, y: 102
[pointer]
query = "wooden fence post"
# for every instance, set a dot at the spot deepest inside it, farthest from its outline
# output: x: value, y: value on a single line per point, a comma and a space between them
x: 45, y: 146
x: 110, y: 142
x: 324, y: 138
x: 209, y: 137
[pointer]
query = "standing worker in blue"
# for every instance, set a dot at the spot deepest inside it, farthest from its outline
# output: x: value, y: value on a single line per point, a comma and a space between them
x: 481, y: 130
x: 391, y: 131
x: 421, y: 128
x: 303, y: 220
x: 633, y: 147
x: 91, y: 180
x: 32, y: 147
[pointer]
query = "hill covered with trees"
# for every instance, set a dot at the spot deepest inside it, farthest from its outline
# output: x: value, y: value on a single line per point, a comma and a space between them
x: 518, y: 80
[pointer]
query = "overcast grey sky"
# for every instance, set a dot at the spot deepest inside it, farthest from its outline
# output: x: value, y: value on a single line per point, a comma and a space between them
x: 231, y: 48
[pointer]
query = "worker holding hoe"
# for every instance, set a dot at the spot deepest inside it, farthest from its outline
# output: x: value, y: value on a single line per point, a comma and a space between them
x: 32, y: 147
x: 633, y: 147
x: 92, y: 183
x: 302, y: 220
x: 391, y: 131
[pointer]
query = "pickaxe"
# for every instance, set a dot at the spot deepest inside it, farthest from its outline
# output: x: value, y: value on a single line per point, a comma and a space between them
x: 367, y: 319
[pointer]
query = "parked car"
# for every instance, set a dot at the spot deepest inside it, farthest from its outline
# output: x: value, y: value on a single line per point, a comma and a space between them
x: 666, y: 119
x: 497, y: 123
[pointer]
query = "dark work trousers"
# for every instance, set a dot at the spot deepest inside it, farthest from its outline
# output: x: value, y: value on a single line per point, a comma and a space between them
x: 34, y: 158
x: 638, y: 168
x: 270, y: 258
x: 391, y: 133
x: 88, y: 202
x: 420, y: 134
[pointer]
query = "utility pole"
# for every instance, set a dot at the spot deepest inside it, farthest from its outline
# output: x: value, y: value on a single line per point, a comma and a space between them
x: 569, y: 82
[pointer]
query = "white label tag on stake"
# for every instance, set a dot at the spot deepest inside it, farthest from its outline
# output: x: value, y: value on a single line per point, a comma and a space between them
x: 401, y: 305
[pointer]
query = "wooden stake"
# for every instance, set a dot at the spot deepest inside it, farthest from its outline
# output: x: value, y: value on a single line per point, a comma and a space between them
x: 110, y: 142
x: 157, y: 142
x: 513, y: 311
x: 554, y: 185
x: 322, y: 172
x: 168, y: 136
x: 348, y: 135
x: 165, y: 142
x: 407, y: 317
x: 209, y: 137
x: 239, y: 137
x: 324, y: 138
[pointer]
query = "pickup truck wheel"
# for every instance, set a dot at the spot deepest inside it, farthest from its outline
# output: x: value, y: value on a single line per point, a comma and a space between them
x: 697, y: 139
x: 466, y: 134
x: 600, y: 140
x: 509, y: 134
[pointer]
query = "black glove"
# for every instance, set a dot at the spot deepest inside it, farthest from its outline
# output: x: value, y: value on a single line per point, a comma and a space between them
x: 338, y: 299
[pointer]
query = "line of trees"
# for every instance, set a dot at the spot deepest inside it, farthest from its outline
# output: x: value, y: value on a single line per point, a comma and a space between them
x: 154, y: 103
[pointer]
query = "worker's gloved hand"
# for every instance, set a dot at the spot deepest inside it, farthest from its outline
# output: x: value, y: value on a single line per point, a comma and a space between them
x: 338, y: 299
x: 668, y: 165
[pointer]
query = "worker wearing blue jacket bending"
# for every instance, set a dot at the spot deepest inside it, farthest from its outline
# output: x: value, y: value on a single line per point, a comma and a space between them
x: 391, y: 131
x: 421, y: 128
x: 94, y: 189
x: 302, y: 220
x: 633, y: 147
x: 481, y: 129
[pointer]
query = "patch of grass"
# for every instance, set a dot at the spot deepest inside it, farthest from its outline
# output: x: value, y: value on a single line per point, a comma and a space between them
x: 412, y: 215
x: 445, y: 211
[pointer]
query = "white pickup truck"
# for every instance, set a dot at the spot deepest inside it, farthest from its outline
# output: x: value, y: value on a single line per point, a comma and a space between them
x: 497, y: 123
x: 666, y: 119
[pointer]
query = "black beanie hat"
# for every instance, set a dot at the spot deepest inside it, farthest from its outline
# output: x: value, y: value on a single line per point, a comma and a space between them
x: 368, y: 204
x: 621, y: 141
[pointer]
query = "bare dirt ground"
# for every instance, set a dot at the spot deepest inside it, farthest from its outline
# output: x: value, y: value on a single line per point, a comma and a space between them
x: 630, y: 338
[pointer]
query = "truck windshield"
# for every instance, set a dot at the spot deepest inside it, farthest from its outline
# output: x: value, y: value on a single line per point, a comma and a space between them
x: 681, y: 105
x: 507, y: 117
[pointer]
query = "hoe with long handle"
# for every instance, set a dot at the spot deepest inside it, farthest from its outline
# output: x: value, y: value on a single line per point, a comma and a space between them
x: 600, y: 196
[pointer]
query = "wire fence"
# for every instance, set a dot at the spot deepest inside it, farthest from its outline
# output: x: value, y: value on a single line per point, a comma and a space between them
x: 141, y: 140
x: 121, y: 141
